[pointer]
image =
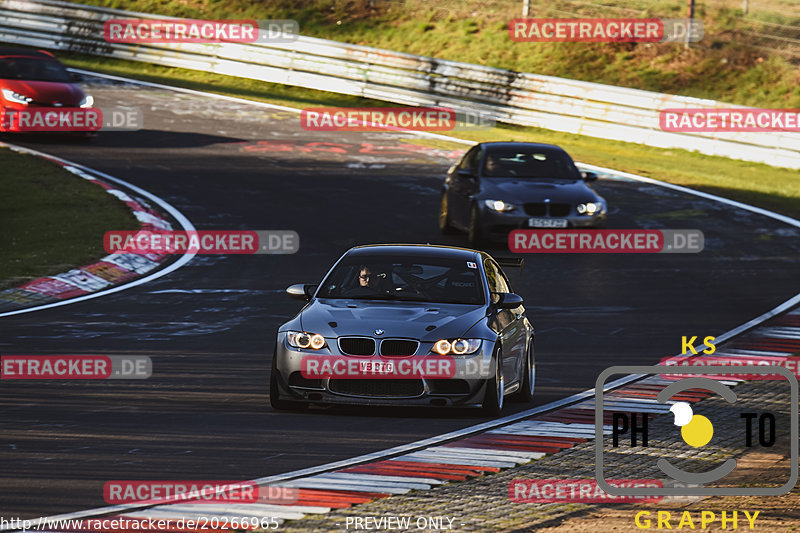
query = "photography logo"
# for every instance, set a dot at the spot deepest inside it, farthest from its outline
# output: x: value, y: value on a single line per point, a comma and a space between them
x: 745, y: 427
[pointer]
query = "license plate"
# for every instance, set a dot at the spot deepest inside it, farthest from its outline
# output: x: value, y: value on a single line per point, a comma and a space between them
x: 547, y: 223
x: 376, y: 367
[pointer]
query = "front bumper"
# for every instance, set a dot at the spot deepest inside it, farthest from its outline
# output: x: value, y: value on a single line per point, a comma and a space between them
x: 496, y: 225
x: 465, y: 388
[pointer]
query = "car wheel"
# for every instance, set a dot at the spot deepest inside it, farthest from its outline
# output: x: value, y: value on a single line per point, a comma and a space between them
x: 274, y: 393
x: 445, y: 226
x: 525, y: 393
x: 475, y: 233
x: 495, y: 386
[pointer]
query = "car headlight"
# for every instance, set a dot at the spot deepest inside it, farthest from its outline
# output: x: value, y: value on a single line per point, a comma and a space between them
x: 456, y: 346
x: 498, y: 205
x: 303, y: 339
x: 589, y: 208
x: 88, y: 101
x: 17, y: 98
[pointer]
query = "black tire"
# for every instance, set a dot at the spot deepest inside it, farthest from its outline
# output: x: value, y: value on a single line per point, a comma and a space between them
x: 274, y: 395
x: 525, y: 393
x: 476, y: 238
x: 495, y: 386
x: 445, y: 226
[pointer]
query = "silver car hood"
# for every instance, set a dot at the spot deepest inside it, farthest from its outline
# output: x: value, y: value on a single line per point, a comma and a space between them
x: 395, y: 318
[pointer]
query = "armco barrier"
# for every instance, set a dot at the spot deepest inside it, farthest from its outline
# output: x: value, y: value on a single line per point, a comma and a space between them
x: 557, y: 104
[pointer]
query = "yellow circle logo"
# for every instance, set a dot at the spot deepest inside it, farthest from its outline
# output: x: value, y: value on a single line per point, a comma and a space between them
x: 698, y: 431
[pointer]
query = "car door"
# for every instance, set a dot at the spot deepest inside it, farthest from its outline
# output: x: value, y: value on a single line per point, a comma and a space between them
x: 509, y: 323
x: 463, y: 187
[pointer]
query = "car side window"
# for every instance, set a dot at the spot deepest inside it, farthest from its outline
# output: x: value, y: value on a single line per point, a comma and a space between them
x: 464, y: 163
x: 496, y: 280
x: 471, y: 160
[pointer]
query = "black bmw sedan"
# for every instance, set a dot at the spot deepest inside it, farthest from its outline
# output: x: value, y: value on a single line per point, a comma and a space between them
x: 501, y: 186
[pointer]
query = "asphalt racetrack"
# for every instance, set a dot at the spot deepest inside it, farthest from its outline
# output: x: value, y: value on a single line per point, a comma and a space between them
x: 210, y: 326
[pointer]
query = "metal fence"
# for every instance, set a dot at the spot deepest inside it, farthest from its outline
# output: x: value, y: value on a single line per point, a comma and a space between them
x: 557, y: 104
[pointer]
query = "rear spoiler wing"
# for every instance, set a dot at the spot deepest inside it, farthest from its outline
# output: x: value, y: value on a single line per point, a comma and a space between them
x: 515, y: 262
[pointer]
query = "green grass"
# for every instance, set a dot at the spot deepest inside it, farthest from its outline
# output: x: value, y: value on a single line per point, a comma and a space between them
x: 759, y: 184
x: 51, y: 219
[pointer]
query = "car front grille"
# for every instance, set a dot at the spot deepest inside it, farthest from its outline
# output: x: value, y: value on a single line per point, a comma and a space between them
x: 546, y: 209
x: 378, y: 388
x: 399, y: 347
x: 536, y: 210
x: 357, y: 345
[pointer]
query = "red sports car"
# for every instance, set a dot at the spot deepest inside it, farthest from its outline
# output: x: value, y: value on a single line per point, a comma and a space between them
x: 34, y: 79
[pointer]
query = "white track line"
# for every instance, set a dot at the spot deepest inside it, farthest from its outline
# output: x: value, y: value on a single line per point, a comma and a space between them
x: 380, y: 477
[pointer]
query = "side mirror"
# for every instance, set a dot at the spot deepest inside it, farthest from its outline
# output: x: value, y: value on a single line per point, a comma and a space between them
x: 589, y: 176
x: 508, y: 300
x: 301, y: 291
x: 466, y: 173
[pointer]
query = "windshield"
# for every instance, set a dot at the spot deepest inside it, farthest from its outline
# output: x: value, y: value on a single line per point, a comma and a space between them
x: 533, y: 163
x: 33, y: 69
x: 421, y: 279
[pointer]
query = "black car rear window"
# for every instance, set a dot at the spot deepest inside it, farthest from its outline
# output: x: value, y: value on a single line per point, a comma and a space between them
x: 529, y: 163
x: 33, y: 69
x: 424, y: 279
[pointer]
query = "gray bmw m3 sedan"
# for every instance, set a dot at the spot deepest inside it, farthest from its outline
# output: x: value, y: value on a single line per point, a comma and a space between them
x: 406, y: 325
